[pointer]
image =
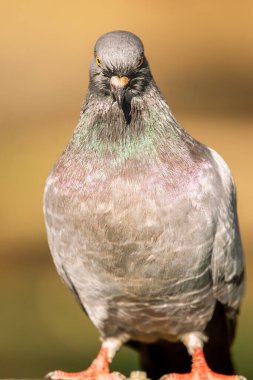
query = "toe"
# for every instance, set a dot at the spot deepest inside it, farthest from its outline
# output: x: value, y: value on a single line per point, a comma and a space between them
x: 179, y: 376
x: 85, y: 375
x: 200, y: 376
x: 60, y: 375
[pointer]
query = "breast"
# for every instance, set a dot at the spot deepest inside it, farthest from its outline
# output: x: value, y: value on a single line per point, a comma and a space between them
x: 116, y: 216
x: 132, y: 241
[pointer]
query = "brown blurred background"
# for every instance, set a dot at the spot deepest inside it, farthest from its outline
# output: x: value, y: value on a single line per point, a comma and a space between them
x: 201, y: 54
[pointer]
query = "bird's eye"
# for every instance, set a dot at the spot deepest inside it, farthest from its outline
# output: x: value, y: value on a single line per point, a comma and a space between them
x: 98, y: 61
x: 141, y: 60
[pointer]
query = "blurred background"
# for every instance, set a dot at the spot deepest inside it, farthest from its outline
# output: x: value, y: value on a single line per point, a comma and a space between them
x: 201, y: 54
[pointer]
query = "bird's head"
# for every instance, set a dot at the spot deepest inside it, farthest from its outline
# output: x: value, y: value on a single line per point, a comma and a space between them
x: 119, y: 68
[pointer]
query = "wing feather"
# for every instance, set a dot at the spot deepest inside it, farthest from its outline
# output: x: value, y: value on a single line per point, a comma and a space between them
x: 227, y: 257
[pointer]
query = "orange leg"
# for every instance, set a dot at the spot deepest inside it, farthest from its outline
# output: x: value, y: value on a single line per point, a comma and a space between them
x: 99, y: 369
x: 200, y: 370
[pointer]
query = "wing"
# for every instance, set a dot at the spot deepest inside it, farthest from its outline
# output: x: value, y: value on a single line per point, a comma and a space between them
x: 55, y: 219
x: 227, y: 256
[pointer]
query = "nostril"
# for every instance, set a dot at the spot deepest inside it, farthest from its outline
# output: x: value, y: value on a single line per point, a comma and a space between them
x: 119, y: 82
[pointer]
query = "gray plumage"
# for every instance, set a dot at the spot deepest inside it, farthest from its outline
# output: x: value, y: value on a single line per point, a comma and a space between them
x: 141, y: 218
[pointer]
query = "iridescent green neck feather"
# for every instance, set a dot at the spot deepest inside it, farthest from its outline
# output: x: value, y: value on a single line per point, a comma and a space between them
x: 103, y: 129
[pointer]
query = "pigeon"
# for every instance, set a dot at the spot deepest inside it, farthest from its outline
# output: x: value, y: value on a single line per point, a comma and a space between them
x: 142, y: 225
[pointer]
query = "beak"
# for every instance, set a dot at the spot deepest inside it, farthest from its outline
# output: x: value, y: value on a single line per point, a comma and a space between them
x: 118, y: 87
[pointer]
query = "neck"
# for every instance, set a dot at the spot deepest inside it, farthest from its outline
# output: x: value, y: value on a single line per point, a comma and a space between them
x: 104, y: 127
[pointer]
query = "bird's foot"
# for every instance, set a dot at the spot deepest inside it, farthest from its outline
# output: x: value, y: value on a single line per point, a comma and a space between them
x: 98, y: 370
x: 200, y: 371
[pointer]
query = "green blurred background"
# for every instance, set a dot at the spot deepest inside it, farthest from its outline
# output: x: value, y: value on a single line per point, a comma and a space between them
x: 201, y: 54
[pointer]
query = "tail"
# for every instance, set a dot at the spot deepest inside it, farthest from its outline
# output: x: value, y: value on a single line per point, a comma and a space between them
x: 163, y: 357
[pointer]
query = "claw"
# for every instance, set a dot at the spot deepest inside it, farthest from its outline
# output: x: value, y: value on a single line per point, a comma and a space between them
x: 111, y: 376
